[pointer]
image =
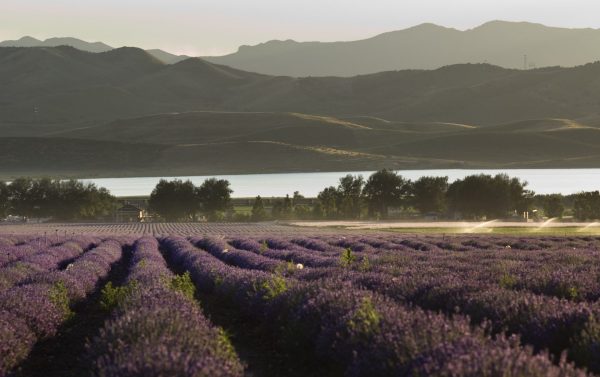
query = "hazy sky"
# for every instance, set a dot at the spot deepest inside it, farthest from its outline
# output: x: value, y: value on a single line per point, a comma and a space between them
x: 199, y: 27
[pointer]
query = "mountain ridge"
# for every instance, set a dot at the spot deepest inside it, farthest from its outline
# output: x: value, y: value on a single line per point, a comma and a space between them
x: 514, y: 45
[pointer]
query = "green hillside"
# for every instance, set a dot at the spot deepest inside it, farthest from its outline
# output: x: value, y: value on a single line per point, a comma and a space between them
x: 123, y: 112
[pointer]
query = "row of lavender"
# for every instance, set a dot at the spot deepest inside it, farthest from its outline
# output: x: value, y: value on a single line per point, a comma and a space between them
x: 436, y: 281
x: 34, y: 304
x: 362, y: 331
x: 157, y: 329
x: 362, y: 304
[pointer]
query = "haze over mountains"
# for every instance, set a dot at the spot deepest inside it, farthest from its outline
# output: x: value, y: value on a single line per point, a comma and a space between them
x: 425, y: 46
x: 123, y: 112
x: 85, y: 46
x: 128, y: 112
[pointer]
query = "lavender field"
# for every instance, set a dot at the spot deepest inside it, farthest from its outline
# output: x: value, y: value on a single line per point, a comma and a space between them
x: 298, y: 305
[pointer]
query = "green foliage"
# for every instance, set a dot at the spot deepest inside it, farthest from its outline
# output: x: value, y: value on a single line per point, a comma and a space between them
x: 282, y: 209
x: 349, y: 196
x: 508, y: 281
x: 224, y: 345
x: 258, y: 210
x: 567, y: 291
x: 328, y: 199
x: 478, y: 196
x: 272, y: 287
x: 214, y: 196
x: 112, y: 297
x: 344, y: 201
x: 63, y: 200
x: 4, y: 199
x: 285, y: 269
x: 365, y: 264
x: 553, y: 205
x: 587, y: 205
x: 264, y: 246
x: 59, y: 296
x: 429, y: 194
x: 385, y: 189
x: 347, y: 258
x: 365, y: 319
x: 183, y: 283
x: 174, y: 200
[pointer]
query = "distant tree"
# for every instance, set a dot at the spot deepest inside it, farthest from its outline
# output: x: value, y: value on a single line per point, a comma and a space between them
x: 277, y: 209
x: 302, y: 212
x: 385, y: 189
x: 174, y: 200
x: 349, y: 196
x: 317, y: 210
x: 587, y: 206
x: 428, y: 194
x: 297, y: 197
x: 79, y: 201
x: 482, y: 195
x: 214, y: 195
x: 4, y: 199
x: 258, y: 210
x: 44, y: 195
x: 20, y: 197
x: 328, y: 200
x: 553, y: 206
x: 287, y: 206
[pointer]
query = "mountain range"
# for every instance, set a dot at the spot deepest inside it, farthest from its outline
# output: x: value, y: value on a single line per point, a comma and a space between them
x: 513, y: 45
x: 123, y: 112
x: 427, y: 46
x: 79, y: 44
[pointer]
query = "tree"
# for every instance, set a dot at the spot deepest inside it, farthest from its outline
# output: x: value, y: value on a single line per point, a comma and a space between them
x: 587, y: 205
x: 44, y: 196
x: 385, y: 189
x: 214, y: 195
x: 258, y: 210
x: 20, y: 199
x: 4, y: 199
x: 428, y: 194
x: 482, y: 195
x: 282, y: 209
x: 174, y: 200
x: 328, y: 199
x: 553, y: 206
x: 297, y: 197
x: 349, y: 196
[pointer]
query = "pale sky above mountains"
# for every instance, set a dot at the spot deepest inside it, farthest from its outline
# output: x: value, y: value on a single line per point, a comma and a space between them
x: 200, y: 27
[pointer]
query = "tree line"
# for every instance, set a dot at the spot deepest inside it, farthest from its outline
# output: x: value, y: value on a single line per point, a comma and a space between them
x: 471, y: 198
x: 180, y: 200
x: 382, y: 195
x: 60, y: 200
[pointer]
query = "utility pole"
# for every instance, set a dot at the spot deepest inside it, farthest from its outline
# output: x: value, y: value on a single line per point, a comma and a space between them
x: 525, y: 62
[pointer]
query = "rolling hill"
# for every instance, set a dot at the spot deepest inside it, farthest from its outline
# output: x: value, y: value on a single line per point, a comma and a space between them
x: 425, y: 46
x: 124, y: 112
x: 79, y: 44
x: 203, y: 143
x: 68, y: 86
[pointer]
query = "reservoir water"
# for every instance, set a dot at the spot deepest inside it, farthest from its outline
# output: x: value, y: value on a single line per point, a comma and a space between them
x: 542, y: 181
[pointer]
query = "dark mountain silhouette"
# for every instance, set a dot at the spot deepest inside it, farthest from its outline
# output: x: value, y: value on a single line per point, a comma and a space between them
x: 426, y: 46
x: 167, y: 57
x: 54, y: 42
x: 96, y: 47
x: 67, y: 85
x: 65, y: 106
